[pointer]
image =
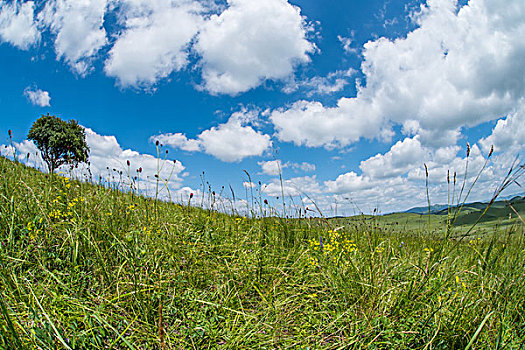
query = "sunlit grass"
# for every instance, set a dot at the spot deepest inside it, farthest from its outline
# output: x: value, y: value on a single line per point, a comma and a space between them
x: 85, y: 266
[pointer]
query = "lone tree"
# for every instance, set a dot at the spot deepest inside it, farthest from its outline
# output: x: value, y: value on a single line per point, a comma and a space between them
x: 60, y: 142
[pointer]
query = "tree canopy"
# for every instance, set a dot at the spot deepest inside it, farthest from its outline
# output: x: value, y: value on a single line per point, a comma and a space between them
x: 60, y: 142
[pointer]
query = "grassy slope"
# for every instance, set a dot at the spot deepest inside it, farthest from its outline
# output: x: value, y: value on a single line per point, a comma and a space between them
x: 85, y: 267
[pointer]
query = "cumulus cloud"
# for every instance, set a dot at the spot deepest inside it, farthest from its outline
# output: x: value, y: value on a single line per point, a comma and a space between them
x: 178, y: 140
x: 348, y: 182
x: 251, y: 41
x: 151, y: 46
x: 17, y: 24
x: 271, y: 167
x: 403, y: 156
x: 79, y: 30
x: 304, y: 166
x: 230, y: 142
x: 247, y: 184
x: 298, y: 186
x: 236, y: 46
x: 396, y: 180
x: 234, y: 141
x: 508, y: 135
x: 313, y: 125
x: 37, y: 97
x: 459, y: 67
x: 275, y: 167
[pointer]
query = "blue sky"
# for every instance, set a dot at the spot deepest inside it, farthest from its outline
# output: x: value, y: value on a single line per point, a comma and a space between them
x: 347, y: 98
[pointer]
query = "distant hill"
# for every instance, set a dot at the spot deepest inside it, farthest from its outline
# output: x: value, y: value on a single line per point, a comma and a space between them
x: 470, y: 212
x: 424, y: 210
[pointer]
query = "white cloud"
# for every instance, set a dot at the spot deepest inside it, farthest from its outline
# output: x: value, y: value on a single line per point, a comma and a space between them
x: 508, y: 135
x: 106, y: 152
x: 234, y: 141
x: 230, y: 142
x: 17, y: 25
x: 78, y: 25
x: 348, y: 182
x: 178, y: 140
x: 275, y: 167
x: 237, y: 46
x: 395, y: 180
x: 251, y: 41
x: 458, y: 68
x: 304, y: 166
x: 37, y: 97
x: 403, y: 156
x: 333, y: 82
x: 155, y: 42
x: 247, y: 184
x: 298, y: 186
x: 346, y: 42
x: 271, y: 167
x: 313, y: 125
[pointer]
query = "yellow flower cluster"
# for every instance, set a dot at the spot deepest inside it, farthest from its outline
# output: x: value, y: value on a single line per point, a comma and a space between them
x: 380, y: 249
x: 64, y: 208
x: 313, y: 261
x: 335, y: 245
x: 33, y: 229
x: 56, y: 214
x: 474, y: 241
x: 349, y: 246
x: 149, y: 229
x: 315, y: 244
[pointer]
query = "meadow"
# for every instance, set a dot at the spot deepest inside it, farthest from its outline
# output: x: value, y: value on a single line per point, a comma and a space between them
x: 85, y: 266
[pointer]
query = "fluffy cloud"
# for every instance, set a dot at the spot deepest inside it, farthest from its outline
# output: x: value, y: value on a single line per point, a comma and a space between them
x: 178, y: 140
x: 403, y: 156
x: 17, y: 25
x: 304, y: 166
x: 78, y: 26
x: 151, y: 47
x: 313, y: 125
x: 298, y: 186
x: 396, y: 180
x: 37, y: 97
x: 508, y: 135
x: 459, y: 67
x: 271, y: 167
x: 237, y: 46
x: 230, y: 142
x: 275, y: 167
x: 251, y: 41
x: 348, y: 182
x: 233, y: 141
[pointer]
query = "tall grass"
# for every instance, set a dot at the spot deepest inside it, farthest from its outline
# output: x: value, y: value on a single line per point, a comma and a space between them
x: 85, y: 266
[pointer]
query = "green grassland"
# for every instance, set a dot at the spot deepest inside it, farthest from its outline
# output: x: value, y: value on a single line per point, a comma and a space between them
x: 87, y: 267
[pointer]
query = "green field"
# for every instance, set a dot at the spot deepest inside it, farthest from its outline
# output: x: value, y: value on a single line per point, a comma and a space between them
x: 87, y: 267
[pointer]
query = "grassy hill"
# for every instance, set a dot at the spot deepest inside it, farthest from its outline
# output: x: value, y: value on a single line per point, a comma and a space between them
x: 500, y: 213
x: 87, y: 267
x: 470, y: 212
